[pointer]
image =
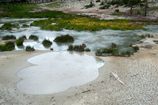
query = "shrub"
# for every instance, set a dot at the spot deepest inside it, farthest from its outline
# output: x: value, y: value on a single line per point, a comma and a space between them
x: 15, y: 25
x: 142, y: 5
x: 109, y: 3
x: 117, y: 10
x: 127, y: 53
x: 102, y: 3
x: 130, y: 45
x: 115, y: 53
x: 142, y: 37
x: 8, y: 37
x: 7, y: 47
x: 116, y: 6
x: 47, y: 43
x: 97, y: 0
x: 90, y: 5
x: 135, y: 48
x: 23, y: 37
x: 29, y: 48
x: 2, y: 47
x: 123, y: 54
x: 6, y: 26
x: 87, y: 49
x: 25, y: 26
x: 113, y: 45
x: 105, y: 6
x: 107, y: 52
x: 19, y: 42
x: 64, y: 38
x: 34, y: 37
x: 149, y: 36
x: 79, y: 48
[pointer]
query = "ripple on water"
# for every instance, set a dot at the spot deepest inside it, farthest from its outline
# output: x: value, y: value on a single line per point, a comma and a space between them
x: 58, y: 71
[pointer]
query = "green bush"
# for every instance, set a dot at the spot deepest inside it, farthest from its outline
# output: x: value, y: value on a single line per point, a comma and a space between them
x: 87, y: 49
x: 90, y: 5
x: 64, y: 38
x: 19, y: 42
x: 97, y: 0
x: 117, y: 10
x: 149, y: 36
x: 105, y: 6
x: 128, y: 53
x: 25, y: 26
x: 113, y: 45
x: 9, y: 46
x: 29, y: 48
x: 8, y: 37
x: 135, y: 48
x: 107, y: 52
x: 124, y: 54
x: 142, y: 36
x: 102, y: 3
x: 15, y: 25
x: 34, y: 37
x: 46, y: 43
x: 6, y: 26
x: 9, y: 26
x: 79, y: 48
x: 23, y: 37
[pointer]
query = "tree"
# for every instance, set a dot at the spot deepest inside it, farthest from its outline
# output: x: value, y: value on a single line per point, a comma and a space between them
x: 8, y: 4
x: 131, y: 3
x: 145, y: 8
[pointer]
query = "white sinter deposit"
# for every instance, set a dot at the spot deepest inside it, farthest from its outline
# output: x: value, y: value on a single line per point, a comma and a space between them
x: 58, y: 71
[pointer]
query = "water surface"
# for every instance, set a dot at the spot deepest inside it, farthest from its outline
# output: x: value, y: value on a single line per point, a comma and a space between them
x: 58, y: 71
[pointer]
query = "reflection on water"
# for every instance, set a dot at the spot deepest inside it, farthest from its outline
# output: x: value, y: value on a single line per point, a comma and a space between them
x: 58, y: 71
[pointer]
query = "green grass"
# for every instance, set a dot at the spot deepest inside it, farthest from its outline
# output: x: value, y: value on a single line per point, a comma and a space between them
x: 53, y: 5
x: 44, y: 14
x: 9, y: 46
x: 84, y: 23
x: 18, y: 8
x: 118, y: 14
x: 153, y: 8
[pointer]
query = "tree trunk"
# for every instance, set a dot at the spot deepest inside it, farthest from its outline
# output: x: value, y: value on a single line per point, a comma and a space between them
x: 131, y: 11
x: 145, y: 9
x: 8, y: 4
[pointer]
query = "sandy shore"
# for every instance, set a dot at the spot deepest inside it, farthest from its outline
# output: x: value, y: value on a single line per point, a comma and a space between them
x: 139, y: 74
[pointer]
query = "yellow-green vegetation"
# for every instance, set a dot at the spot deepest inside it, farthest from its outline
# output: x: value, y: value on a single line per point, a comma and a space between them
x: 85, y: 23
x: 18, y: 8
x: 46, y: 43
x: 53, y: 5
x: 64, y: 38
x: 19, y: 42
x: 9, y: 46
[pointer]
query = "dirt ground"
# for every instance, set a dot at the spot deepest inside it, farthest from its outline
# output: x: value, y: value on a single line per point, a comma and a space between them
x: 78, y: 8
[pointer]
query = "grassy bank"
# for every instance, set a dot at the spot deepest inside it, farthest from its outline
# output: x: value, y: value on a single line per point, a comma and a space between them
x: 85, y: 23
x: 44, y: 14
x: 55, y: 4
x: 18, y: 8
